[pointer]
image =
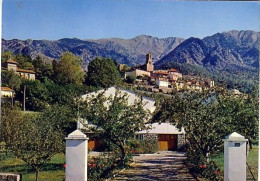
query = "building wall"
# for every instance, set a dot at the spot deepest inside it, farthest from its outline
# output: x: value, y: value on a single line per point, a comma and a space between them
x: 149, y: 63
x: 137, y: 72
x: 27, y: 75
x: 162, y: 83
x: 6, y: 93
x: 11, y: 67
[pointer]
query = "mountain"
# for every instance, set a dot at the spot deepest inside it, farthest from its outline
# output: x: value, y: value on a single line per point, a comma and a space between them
x: 127, y: 51
x: 221, y: 51
x: 230, y: 57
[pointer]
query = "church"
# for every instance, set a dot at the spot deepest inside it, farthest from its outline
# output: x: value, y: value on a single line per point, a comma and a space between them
x: 143, y: 70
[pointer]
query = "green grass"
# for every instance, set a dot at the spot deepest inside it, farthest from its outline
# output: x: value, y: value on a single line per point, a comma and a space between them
x: 51, y: 171
x: 252, y: 160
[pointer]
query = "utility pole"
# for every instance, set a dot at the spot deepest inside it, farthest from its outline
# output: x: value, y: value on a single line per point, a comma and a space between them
x: 24, y: 89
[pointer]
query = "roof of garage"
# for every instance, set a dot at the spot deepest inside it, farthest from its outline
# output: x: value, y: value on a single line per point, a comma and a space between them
x: 161, y: 128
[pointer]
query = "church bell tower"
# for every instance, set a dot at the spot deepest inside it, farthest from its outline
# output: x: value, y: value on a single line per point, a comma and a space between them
x: 149, y: 63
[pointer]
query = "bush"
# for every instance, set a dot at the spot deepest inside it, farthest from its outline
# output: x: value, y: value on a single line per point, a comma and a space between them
x: 198, y: 164
x: 144, y: 146
x: 130, y: 79
x: 103, y: 165
x: 97, y: 165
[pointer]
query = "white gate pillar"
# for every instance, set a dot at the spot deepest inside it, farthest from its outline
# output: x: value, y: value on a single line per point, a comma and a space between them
x: 235, y: 157
x: 76, y: 156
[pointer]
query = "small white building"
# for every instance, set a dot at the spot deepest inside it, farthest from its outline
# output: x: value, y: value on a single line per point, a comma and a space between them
x: 162, y: 82
x: 6, y: 92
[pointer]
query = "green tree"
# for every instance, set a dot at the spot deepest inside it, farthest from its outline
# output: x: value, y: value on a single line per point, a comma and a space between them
x: 37, y: 95
x: 33, y: 138
x: 130, y: 79
x: 197, y: 114
x: 241, y: 115
x: 7, y: 55
x: 24, y: 61
x: 42, y: 70
x: 68, y: 70
x: 12, y: 80
x: 208, y: 117
x: 102, y: 72
x: 115, y: 120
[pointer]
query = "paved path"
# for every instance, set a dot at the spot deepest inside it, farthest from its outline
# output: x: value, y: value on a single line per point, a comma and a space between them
x: 152, y: 167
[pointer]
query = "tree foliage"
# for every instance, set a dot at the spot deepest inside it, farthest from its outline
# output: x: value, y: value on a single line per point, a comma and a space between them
x: 6, y: 56
x: 102, y: 72
x: 130, y: 79
x: 114, y: 119
x: 42, y: 70
x: 31, y: 137
x: 68, y: 70
x: 11, y: 79
x: 208, y: 117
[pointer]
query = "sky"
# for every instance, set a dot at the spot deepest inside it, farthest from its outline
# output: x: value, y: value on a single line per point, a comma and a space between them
x: 95, y: 19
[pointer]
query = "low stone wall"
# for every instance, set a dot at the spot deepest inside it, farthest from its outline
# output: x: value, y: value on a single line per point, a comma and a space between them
x: 10, y: 177
x: 150, y: 136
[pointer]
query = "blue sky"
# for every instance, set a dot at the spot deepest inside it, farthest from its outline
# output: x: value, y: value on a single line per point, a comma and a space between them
x: 94, y: 19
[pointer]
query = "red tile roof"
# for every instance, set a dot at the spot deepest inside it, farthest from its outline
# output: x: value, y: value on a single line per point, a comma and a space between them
x: 163, y: 73
x: 25, y: 71
x: 11, y: 61
x: 6, y: 89
x: 172, y: 70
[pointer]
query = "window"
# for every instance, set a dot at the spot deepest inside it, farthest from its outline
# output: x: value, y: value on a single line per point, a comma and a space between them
x: 139, y: 137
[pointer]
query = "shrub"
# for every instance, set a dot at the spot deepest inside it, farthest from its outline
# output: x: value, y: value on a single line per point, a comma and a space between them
x: 144, y: 146
x: 130, y: 79
x: 198, y: 164
x: 97, y: 165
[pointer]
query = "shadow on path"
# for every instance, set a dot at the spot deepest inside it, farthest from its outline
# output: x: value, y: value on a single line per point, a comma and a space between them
x: 162, y: 166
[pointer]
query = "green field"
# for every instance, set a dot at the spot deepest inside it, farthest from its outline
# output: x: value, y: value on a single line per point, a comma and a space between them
x: 252, y: 160
x: 51, y: 171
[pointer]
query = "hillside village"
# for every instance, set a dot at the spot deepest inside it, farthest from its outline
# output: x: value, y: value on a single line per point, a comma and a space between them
x: 164, y: 81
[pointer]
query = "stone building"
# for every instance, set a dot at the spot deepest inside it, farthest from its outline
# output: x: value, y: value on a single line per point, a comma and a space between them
x: 148, y: 66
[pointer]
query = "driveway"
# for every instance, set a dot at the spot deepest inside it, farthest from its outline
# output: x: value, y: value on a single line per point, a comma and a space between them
x: 161, y: 166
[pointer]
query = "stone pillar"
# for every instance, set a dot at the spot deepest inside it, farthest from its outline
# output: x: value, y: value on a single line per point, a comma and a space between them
x: 76, y: 156
x: 235, y: 157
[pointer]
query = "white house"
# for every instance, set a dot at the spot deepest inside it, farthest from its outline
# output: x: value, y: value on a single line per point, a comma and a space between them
x: 132, y: 97
x: 162, y: 82
x: 169, y: 137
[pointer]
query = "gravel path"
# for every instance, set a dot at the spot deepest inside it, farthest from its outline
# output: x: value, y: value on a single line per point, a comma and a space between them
x: 152, y: 167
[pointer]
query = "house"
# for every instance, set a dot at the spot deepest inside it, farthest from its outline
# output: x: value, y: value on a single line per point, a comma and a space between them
x: 162, y: 82
x: 169, y: 137
x: 13, y: 65
x: 174, y: 74
x: 165, y: 132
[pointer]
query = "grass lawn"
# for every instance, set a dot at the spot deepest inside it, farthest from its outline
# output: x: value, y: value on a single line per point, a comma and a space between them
x: 252, y: 160
x: 51, y: 171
